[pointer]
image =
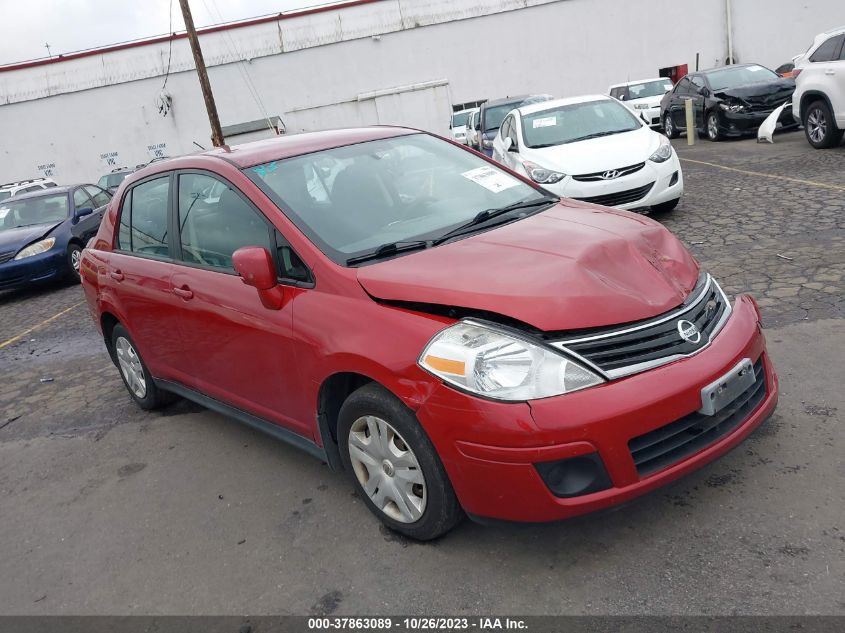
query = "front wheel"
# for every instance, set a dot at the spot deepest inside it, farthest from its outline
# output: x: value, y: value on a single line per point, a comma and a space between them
x: 669, y: 127
x: 665, y: 207
x: 820, y: 127
x: 713, y: 132
x: 74, y: 258
x: 394, y: 465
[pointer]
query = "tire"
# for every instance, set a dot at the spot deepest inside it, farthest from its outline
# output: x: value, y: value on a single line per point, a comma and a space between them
x: 665, y: 207
x: 669, y: 127
x: 713, y: 132
x: 402, y: 480
x: 136, y: 377
x: 820, y: 126
x: 74, y: 254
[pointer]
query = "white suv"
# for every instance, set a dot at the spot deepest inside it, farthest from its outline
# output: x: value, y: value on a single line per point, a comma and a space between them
x: 25, y: 186
x: 819, y: 99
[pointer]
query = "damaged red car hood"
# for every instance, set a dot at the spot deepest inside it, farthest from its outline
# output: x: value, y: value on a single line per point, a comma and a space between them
x: 572, y: 266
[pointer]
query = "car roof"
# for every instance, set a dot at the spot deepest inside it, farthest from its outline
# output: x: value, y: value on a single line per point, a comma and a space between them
x: 712, y: 70
x: 287, y: 146
x: 52, y: 191
x: 554, y: 103
x: 464, y: 110
x: 634, y: 82
x: 505, y: 100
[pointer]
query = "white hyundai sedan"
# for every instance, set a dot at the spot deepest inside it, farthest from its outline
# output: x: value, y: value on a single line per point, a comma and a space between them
x: 591, y: 148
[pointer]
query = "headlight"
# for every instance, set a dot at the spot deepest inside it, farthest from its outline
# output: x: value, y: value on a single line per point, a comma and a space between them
x: 487, y: 142
x: 732, y: 106
x: 541, y: 174
x: 662, y: 153
x: 37, y: 248
x: 493, y: 363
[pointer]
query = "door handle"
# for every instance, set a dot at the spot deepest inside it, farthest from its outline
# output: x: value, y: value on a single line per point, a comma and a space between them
x: 184, y: 292
x: 116, y: 275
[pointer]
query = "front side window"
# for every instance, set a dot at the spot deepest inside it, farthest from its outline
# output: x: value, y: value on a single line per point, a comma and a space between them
x: 494, y: 116
x: 82, y: 200
x: 828, y: 51
x: 143, y: 219
x: 697, y: 83
x: 577, y: 122
x: 33, y: 211
x: 99, y: 196
x: 351, y: 200
x: 215, y: 221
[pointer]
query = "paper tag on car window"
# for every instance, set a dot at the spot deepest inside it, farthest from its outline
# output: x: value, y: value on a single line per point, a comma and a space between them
x: 491, y: 179
x: 546, y: 121
x: 755, y: 69
x: 4, y: 212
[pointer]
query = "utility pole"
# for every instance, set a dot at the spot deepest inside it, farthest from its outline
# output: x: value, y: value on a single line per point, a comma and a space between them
x: 213, y: 119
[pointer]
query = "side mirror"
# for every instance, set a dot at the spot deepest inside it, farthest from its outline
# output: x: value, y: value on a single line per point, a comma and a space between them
x: 81, y: 213
x: 256, y: 268
x: 508, y: 143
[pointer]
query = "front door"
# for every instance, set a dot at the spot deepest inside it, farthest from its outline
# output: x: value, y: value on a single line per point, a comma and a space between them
x: 236, y: 350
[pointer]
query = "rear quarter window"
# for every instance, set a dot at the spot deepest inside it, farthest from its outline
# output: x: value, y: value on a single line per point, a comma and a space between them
x: 143, y: 219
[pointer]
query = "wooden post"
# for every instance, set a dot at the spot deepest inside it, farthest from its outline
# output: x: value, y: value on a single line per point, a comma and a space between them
x: 207, y: 95
x: 691, y: 131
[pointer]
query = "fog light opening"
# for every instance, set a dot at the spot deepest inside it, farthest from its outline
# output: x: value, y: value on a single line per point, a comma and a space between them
x: 574, y: 476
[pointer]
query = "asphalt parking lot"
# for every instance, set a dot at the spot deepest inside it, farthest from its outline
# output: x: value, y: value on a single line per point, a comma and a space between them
x: 106, y: 509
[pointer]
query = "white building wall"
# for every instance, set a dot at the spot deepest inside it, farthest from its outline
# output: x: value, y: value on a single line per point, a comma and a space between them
x: 321, y: 70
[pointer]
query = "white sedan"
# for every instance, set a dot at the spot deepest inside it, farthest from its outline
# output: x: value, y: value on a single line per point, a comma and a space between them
x: 591, y: 148
x: 643, y: 97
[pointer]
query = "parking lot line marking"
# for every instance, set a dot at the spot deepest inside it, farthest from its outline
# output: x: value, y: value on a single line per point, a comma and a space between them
x: 9, y: 341
x: 812, y: 183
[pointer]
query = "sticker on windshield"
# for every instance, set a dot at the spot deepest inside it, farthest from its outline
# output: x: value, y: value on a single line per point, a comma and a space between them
x: 4, y: 212
x: 755, y: 69
x: 490, y: 179
x: 546, y: 121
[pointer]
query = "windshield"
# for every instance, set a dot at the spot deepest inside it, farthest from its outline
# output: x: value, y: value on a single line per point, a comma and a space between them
x: 739, y: 76
x: 459, y: 119
x: 32, y: 211
x: 494, y: 116
x: 351, y: 200
x: 649, y: 89
x: 577, y: 122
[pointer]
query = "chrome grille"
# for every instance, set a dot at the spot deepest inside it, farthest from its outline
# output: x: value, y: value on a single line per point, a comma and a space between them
x: 623, y: 350
x: 600, y: 175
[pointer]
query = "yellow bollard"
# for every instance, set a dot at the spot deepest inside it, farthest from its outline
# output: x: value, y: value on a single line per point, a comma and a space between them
x: 691, y: 131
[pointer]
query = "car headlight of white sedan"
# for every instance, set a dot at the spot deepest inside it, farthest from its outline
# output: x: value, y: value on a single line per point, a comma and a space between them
x: 501, y: 365
x: 663, y: 152
x: 541, y: 174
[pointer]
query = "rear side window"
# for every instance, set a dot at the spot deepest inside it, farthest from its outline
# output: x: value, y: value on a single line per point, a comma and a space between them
x: 828, y: 51
x: 215, y: 221
x: 143, y: 219
x: 683, y: 87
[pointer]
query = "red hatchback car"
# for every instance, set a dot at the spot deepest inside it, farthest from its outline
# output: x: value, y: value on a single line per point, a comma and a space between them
x: 455, y: 338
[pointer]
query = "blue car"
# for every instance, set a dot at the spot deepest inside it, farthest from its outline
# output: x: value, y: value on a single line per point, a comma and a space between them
x: 42, y: 234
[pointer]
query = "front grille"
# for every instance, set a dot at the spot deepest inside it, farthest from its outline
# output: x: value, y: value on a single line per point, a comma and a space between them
x: 620, y: 197
x: 678, y: 440
x: 4, y: 257
x: 622, y: 171
x: 623, y: 350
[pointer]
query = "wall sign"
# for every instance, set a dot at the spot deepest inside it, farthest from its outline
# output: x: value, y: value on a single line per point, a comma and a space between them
x: 110, y: 160
x: 48, y: 170
x: 158, y: 150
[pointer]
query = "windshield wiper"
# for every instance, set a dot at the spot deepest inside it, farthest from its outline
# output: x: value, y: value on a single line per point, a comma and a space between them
x: 391, y: 248
x: 485, y: 216
x: 596, y: 135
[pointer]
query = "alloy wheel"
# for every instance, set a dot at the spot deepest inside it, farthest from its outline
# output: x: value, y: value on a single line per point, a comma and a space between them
x: 387, y: 469
x: 130, y: 367
x: 816, y: 125
x: 668, y: 127
x: 75, y: 258
x: 712, y: 127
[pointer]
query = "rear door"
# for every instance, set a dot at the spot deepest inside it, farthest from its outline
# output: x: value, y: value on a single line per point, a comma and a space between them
x: 138, y: 277
x: 236, y: 350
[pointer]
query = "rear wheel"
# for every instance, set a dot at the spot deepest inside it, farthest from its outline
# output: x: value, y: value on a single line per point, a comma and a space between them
x: 74, y: 257
x: 820, y: 127
x: 669, y: 127
x: 394, y: 465
x: 713, y: 132
x: 136, y: 377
